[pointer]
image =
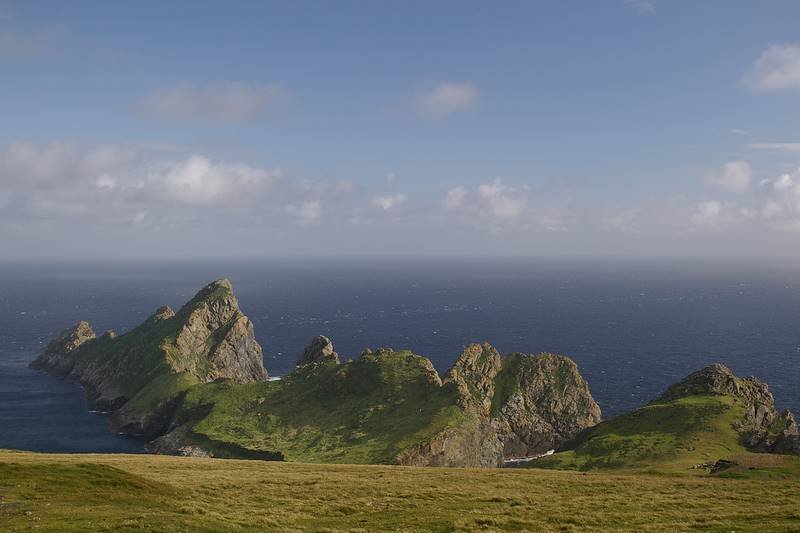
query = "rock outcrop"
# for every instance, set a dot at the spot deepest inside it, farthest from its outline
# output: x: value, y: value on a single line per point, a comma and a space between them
x: 216, y: 340
x: 474, y: 373
x: 58, y: 356
x: 474, y: 445
x: 542, y: 402
x: 320, y: 349
x: 762, y: 427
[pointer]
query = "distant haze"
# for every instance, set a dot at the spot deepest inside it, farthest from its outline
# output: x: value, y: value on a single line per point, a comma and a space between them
x: 613, y: 128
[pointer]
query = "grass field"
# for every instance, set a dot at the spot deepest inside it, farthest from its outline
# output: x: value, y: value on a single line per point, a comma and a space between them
x: 130, y: 492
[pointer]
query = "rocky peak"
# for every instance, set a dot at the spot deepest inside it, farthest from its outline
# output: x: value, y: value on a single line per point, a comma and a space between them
x: 58, y: 355
x: 473, y: 373
x: 762, y: 427
x: 718, y: 379
x: 162, y: 313
x: 215, y: 339
x: 320, y: 349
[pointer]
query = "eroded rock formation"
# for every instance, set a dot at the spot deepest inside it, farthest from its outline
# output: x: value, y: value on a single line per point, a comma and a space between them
x: 319, y: 349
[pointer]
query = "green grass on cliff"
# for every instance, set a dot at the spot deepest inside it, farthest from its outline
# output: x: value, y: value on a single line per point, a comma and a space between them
x: 157, y: 393
x: 671, y: 436
x: 156, y: 493
x: 364, y: 411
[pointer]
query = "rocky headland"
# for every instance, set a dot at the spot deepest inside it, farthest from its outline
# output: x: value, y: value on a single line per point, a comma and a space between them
x: 193, y: 381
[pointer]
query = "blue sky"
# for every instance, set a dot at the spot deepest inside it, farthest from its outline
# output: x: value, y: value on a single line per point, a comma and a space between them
x: 535, y: 128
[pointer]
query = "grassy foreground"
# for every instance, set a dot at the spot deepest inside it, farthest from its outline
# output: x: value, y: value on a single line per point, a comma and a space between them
x: 128, y: 492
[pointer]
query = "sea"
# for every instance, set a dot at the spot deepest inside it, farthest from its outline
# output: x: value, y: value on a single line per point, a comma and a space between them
x: 633, y: 327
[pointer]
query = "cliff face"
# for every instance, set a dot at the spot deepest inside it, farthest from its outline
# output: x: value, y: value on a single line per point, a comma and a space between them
x: 209, y: 338
x: 474, y: 373
x: 762, y: 427
x: 542, y: 401
x: 215, y: 339
x: 522, y: 405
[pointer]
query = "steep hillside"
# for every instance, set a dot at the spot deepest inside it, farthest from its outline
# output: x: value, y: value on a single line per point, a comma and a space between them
x: 140, y: 373
x: 384, y: 407
x: 709, y: 416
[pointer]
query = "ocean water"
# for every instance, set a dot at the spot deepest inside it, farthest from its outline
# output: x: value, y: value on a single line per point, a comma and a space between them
x: 633, y: 327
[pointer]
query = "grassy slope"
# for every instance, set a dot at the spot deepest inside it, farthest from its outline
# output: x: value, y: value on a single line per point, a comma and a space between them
x: 124, y: 492
x: 670, y: 436
x: 363, y: 411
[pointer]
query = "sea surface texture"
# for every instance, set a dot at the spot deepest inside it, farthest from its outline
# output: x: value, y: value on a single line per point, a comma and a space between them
x: 633, y: 328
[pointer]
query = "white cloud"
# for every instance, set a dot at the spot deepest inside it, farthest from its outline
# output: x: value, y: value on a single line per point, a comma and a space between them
x: 737, y: 131
x: 733, y: 176
x: 229, y: 102
x: 504, y: 202
x: 783, y: 182
x: 198, y: 181
x: 776, y: 147
x: 307, y: 212
x: 776, y: 69
x: 448, y: 97
x: 711, y: 214
x: 62, y: 180
x: 625, y: 219
x: 138, y: 217
x: 501, y: 204
x: 454, y: 198
x: 389, y: 201
x: 643, y: 6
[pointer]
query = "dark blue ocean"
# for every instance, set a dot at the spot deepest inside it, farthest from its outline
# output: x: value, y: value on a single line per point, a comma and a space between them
x: 632, y: 327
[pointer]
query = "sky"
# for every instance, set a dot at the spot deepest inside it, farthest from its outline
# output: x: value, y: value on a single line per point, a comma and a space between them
x: 610, y: 128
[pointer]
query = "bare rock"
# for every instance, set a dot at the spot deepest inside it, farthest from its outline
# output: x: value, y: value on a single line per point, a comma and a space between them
x: 542, y: 402
x: 58, y: 357
x: 216, y: 340
x: 319, y: 349
x: 473, y: 373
